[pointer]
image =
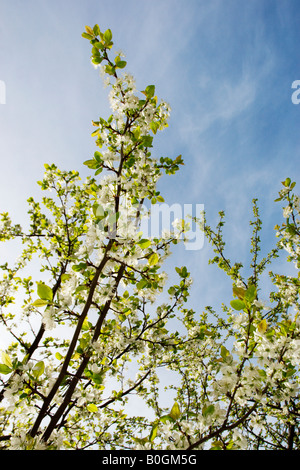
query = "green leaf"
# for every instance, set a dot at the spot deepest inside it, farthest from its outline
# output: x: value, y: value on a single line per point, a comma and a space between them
x: 5, y: 369
x: 96, y: 30
x: 144, y: 243
x: 150, y: 91
x: 98, y: 156
x: 153, y: 259
x: 96, y: 132
x: 89, y: 30
x: 79, y: 267
x: 110, y: 69
x: 80, y: 289
x: 171, y: 290
x: 98, y: 45
x: 141, y: 441
x: 224, y: 352
x: 107, y: 36
x: 38, y: 369
x: 250, y: 294
x: 164, y: 419
x: 99, y: 211
x: 44, y: 292
x: 142, y: 284
x: 237, y: 304
x: 239, y: 292
x: 6, y: 360
x: 262, y: 326
x: 217, y: 445
x: 92, y: 408
x: 121, y: 64
x: 87, y: 36
x: 175, y: 412
x: 130, y: 162
x: 86, y: 325
x: 208, y: 410
x: 40, y: 303
x: 290, y: 372
x: 97, y: 378
x: 154, y: 126
x: 183, y: 272
x: 153, y: 433
x: 92, y: 164
x: 230, y: 445
x: 147, y: 140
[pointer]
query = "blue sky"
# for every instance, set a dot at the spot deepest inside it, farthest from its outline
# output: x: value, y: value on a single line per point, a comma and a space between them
x: 225, y: 66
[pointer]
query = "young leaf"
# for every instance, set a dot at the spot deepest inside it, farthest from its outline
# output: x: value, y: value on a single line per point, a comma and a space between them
x: 86, y: 325
x: 166, y: 418
x: 262, y: 326
x: 144, y: 243
x: 5, y: 369
x: 175, y: 412
x: 153, y: 259
x: 208, y: 410
x: 38, y: 369
x: 89, y: 30
x: 149, y: 92
x: 39, y: 303
x: 92, y: 408
x: 87, y: 36
x: 6, y: 360
x: 239, y: 292
x: 237, y: 304
x: 121, y: 64
x: 217, y: 445
x: 96, y: 30
x: 44, y: 292
x: 183, y: 272
x: 98, y: 156
x: 98, y: 211
x: 250, y: 294
x: 107, y: 36
x: 224, y: 352
x: 92, y: 164
x: 153, y: 433
x: 110, y: 69
x: 154, y: 126
x: 97, y: 378
x: 79, y: 267
x: 141, y: 284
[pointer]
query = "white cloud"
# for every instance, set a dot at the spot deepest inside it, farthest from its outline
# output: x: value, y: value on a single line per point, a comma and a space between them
x: 228, y: 101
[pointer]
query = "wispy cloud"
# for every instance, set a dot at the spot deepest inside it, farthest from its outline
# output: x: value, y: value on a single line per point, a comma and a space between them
x: 227, y: 101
